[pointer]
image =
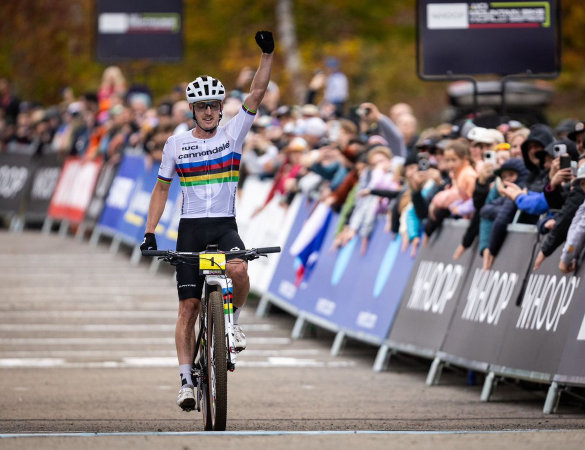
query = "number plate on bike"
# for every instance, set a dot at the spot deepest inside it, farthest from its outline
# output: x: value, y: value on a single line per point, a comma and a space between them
x: 211, y: 263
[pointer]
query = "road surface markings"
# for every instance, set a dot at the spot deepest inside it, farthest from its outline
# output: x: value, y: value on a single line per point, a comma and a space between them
x: 171, y: 361
x: 126, y: 341
x: 28, y: 327
x: 279, y: 433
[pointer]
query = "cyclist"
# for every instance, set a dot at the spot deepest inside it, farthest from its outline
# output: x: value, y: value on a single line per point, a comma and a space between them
x: 207, y: 160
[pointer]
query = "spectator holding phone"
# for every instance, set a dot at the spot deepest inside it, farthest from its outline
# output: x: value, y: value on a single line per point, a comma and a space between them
x: 499, y: 210
x: 562, y: 221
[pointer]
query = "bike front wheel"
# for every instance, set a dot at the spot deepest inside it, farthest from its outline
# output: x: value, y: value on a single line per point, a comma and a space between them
x: 217, y: 361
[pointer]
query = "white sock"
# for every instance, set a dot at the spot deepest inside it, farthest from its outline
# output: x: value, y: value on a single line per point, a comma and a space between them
x: 237, y: 315
x: 185, y: 370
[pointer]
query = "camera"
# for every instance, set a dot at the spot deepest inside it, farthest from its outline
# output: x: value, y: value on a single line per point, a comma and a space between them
x: 489, y: 156
x: 363, y: 112
x: 559, y: 150
x: 423, y: 161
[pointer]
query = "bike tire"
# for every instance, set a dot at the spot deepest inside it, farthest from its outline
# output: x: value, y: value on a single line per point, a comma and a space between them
x: 204, y: 391
x: 217, y: 361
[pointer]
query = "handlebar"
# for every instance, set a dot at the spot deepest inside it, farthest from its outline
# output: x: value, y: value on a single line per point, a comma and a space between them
x: 248, y: 254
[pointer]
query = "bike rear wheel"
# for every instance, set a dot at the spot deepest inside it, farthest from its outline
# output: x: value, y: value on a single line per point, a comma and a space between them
x: 217, y: 361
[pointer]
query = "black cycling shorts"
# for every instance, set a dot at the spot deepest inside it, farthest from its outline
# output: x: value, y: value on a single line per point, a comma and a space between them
x: 194, y: 236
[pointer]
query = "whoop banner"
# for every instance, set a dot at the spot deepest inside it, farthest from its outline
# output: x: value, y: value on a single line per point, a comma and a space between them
x: 430, y: 298
x: 572, y: 365
x: 15, y: 173
x: 486, y: 305
x: 44, y: 182
x: 537, y: 330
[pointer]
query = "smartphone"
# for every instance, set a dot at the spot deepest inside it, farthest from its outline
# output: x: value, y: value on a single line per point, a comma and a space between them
x: 565, y: 162
x: 489, y: 156
x: 559, y: 150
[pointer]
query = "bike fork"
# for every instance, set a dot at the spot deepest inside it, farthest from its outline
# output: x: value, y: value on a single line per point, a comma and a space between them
x: 229, y: 327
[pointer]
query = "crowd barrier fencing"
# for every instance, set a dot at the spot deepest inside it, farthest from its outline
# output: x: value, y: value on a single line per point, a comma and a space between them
x: 27, y: 184
x: 508, y: 322
x: 352, y: 294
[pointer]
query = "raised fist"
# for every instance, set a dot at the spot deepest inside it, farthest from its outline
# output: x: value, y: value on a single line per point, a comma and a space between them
x: 265, y: 41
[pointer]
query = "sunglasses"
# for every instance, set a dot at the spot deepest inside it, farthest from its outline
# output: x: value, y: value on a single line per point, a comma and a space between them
x: 202, y: 106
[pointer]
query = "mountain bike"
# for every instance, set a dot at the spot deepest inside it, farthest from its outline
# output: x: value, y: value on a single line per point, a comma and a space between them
x: 215, y: 352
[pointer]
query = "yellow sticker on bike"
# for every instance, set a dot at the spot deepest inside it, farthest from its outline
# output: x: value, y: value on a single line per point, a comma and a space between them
x: 211, y: 263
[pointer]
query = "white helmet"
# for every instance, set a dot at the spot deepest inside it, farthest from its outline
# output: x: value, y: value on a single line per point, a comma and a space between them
x: 205, y: 88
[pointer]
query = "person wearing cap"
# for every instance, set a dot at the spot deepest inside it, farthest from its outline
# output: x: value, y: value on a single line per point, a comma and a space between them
x: 578, y: 136
x: 482, y: 140
x: 562, y: 221
x: 314, y: 131
x: 565, y: 127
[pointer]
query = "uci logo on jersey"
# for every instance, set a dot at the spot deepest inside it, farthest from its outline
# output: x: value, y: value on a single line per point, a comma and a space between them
x: 189, y: 147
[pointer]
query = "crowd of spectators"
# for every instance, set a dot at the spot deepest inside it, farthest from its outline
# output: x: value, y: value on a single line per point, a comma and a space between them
x: 364, y: 164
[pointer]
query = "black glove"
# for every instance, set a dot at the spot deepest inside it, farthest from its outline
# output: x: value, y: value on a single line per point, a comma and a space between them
x: 149, y: 242
x: 265, y: 41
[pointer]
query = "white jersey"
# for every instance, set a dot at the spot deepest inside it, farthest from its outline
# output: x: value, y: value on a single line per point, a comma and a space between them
x: 208, y: 169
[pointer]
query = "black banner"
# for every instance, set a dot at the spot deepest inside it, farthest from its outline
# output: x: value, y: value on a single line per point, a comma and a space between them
x: 503, y: 38
x: 15, y: 173
x: 44, y: 180
x: 487, y: 304
x: 139, y: 29
x: 538, y: 328
x: 430, y: 297
x: 572, y: 366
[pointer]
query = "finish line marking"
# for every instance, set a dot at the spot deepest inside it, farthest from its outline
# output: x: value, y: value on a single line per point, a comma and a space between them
x: 273, y: 433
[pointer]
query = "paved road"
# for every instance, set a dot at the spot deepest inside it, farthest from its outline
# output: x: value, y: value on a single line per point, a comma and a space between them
x: 86, y: 345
